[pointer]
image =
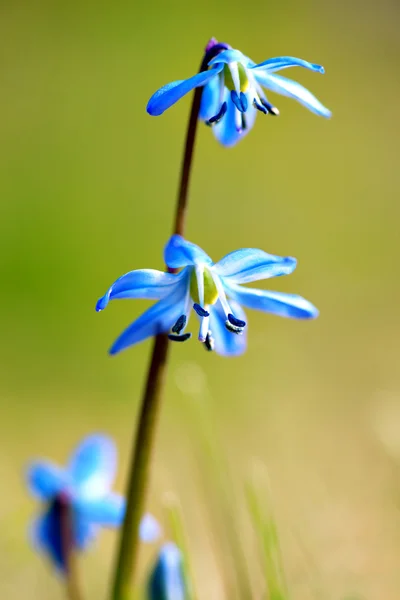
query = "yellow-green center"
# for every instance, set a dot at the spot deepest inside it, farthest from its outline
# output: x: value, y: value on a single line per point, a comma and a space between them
x: 210, y: 289
x: 244, y: 81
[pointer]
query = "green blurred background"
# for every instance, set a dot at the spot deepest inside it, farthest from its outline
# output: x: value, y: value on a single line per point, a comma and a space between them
x: 88, y: 183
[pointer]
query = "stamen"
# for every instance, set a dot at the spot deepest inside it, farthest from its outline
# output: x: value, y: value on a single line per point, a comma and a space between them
x: 260, y: 107
x: 179, y: 338
x: 233, y: 328
x: 237, y: 101
x: 244, y: 102
x: 219, y: 116
x: 200, y: 311
x: 180, y: 324
x: 210, y: 342
x: 235, y: 321
x: 271, y: 109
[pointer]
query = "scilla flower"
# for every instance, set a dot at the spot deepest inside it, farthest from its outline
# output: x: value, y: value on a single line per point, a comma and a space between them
x: 212, y: 290
x: 167, y: 580
x: 83, y: 488
x: 233, y: 92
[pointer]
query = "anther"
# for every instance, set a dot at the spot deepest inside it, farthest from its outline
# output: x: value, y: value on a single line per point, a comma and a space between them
x: 236, y: 99
x: 220, y: 114
x: 200, y: 311
x: 271, y: 109
x: 179, y: 338
x: 244, y: 102
x: 180, y: 324
x: 210, y: 342
x: 260, y: 107
x: 233, y: 328
x: 235, y: 321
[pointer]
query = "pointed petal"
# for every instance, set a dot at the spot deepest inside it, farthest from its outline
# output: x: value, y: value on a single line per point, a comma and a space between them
x: 45, y: 536
x: 85, y: 532
x: 45, y: 479
x: 226, y: 342
x: 284, y: 62
x: 108, y: 511
x: 92, y: 466
x: 157, y: 319
x: 210, y: 100
x: 229, y: 56
x: 149, y: 530
x: 250, y: 264
x: 166, y: 96
x: 292, y: 89
x: 167, y: 579
x: 226, y: 131
x: 278, y: 303
x: 142, y: 283
x: 181, y: 253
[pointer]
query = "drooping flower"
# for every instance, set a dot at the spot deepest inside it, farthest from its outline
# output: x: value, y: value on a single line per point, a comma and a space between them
x: 233, y: 92
x: 167, y: 581
x: 84, y: 489
x: 205, y: 287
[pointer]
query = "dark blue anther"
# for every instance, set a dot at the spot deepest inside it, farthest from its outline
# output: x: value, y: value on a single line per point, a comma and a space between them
x: 236, y: 322
x: 260, y: 107
x: 243, y: 100
x: 271, y: 109
x: 180, y: 324
x: 179, y: 338
x: 200, y: 311
x: 217, y: 118
x: 209, y: 343
x: 237, y: 101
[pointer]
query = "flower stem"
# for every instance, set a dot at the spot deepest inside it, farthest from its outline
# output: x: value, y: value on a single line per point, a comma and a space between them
x: 71, y: 573
x: 151, y: 403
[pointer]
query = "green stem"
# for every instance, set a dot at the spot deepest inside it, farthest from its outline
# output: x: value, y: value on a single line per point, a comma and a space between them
x: 150, y: 408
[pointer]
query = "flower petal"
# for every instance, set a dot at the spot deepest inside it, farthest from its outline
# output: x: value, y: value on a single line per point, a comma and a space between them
x: 172, y: 92
x: 226, y: 342
x: 292, y: 89
x: 181, y: 253
x: 250, y: 264
x: 108, y: 511
x: 46, y: 479
x: 149, y: 530
x: 167, y: 578
x: 45, y: 535
x: 278, y: 303
x: 92, y: 467
x: 229, y: 56
x: 210, y: 100
x: 85, y: 532
x: 226, y: 131
x: 284, y: 62
x: 157, y: 319
x: 142, y: 283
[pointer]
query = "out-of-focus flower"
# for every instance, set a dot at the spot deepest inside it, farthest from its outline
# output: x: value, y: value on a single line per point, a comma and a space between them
x: 167, y: 580
x: 205, y: 286
x: 233, y: 92
x: 84, y: 489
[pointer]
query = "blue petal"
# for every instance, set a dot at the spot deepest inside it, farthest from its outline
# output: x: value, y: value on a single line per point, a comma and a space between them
x: 226, y: 130
x: 278, y: 303
x: 210, y: 100
x: 283, y: 62
x: 143, y: 283
x: 92, y: 467
x: 157, y: 319
x: 46, y: 480
x: 172, y: 92
x: 249, y: 264
x: 227, y: 343
x: 108, y: 511
x: 167, y: 580
x: 45, y: 534
x: 229, y: 56
x: 292, y: 89
x: 149, y: 530
x: 180, y: 253
x: 85, y: 532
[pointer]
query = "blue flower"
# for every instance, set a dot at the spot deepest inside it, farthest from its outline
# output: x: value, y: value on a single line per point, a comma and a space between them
x: 205, y: 286
x: 167, y: 580
x: 84, y: 488
x: 233, y: 92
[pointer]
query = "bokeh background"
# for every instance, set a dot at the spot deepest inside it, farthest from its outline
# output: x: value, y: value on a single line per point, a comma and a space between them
x: 88, y: 183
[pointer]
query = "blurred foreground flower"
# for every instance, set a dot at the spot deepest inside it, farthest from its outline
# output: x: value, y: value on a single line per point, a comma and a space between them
x: 167, y: 581
x: 233, y: 92
x: 204, y: 286
x: 84, y: 489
